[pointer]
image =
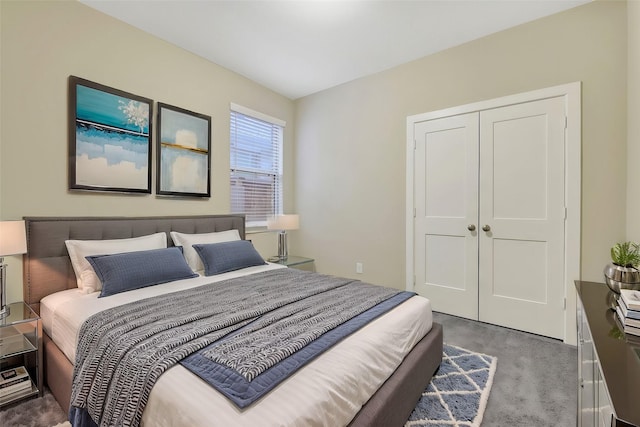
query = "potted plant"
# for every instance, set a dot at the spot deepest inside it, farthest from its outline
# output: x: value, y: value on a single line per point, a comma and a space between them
x: 623, y: 272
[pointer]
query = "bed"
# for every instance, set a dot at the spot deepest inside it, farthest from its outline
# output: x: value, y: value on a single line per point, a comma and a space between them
x: 384, y: 396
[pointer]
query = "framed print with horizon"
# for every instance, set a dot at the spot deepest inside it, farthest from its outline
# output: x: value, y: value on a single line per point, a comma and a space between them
x: 109, y: 138
x: 183, y: 152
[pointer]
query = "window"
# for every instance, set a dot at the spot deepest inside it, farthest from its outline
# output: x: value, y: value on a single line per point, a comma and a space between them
x: 256, y: 165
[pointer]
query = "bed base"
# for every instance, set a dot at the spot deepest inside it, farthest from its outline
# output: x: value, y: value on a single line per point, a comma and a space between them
x: 58, y: 373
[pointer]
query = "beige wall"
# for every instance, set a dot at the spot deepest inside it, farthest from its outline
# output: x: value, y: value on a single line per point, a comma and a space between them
x: 350, y: 152
x: 42, y: 43
x: 350, y: 140
x: 633, y: 125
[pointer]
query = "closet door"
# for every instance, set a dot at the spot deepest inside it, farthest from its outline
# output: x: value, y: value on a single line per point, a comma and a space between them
x: 446, y: 213
x: 522, y: 215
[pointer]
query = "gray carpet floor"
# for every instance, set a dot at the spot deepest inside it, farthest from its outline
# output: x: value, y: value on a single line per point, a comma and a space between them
x: 536, y: 379
x: 535, y: 384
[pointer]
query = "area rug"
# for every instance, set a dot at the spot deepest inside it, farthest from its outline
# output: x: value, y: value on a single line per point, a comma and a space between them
x: 457, y: 395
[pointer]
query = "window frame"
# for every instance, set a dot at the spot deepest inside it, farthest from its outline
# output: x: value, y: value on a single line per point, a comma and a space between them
x: 277, y: 172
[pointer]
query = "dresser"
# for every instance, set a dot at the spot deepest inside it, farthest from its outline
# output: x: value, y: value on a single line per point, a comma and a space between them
x: 608, y: 366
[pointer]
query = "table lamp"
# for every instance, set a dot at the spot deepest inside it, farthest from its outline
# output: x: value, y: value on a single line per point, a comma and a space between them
x: 13, y: 241
x: 283, y: 223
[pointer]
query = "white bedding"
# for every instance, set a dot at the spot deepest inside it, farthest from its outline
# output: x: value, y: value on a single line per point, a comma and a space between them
x: 329, y: 391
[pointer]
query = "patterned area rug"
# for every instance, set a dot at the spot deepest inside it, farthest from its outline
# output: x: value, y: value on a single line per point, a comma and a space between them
x: 458, y: 393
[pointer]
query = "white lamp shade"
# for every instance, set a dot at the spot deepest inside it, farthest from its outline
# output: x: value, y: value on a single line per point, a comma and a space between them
x: 13, y: 238
x: 283, y: 222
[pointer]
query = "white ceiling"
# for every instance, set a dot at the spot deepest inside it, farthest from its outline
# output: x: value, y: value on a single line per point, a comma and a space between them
x: 298, y: 47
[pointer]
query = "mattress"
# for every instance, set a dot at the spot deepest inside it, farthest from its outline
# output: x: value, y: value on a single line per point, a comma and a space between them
x: 329, y: 391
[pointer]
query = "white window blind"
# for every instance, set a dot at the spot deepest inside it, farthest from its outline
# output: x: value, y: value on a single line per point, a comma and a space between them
x: 256, y: 165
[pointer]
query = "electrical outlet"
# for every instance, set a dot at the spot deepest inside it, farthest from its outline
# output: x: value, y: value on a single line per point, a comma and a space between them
x: 359, y: 267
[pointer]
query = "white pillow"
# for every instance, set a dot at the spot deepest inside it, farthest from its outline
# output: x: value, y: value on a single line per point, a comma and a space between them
x: 88, y: 282
x: 188, y: 240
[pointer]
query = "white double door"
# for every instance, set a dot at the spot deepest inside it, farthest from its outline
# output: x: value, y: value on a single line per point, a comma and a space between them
x: 490, y: 215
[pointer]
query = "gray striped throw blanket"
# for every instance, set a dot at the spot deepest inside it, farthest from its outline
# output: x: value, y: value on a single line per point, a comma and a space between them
x: 247, y: 325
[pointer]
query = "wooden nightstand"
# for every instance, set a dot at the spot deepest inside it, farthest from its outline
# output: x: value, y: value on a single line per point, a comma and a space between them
x: 21, y: 345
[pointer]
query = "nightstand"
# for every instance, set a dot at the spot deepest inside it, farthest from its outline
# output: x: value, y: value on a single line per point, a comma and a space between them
x: 293, y: 261
x: 21, y: 345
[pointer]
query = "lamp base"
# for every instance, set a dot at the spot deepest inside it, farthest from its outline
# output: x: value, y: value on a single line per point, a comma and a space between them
x: 4, y: 308
x: 283, y: 252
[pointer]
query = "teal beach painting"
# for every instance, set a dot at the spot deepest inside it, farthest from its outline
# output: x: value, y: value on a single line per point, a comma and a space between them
x: 110, y: 139
x: 184, y: 152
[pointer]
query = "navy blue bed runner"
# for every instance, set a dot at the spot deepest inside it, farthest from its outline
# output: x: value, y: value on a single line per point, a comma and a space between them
x: 243, y: 392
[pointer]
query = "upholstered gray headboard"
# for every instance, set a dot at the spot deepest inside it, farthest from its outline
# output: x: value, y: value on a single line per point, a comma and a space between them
x: 47, y: 267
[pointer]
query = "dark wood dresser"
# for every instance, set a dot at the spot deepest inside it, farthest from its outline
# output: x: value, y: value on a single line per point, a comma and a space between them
x: 608, y: 365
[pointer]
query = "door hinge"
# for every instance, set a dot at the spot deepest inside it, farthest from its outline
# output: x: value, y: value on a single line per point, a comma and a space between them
x: 414, y: 281
x: 565, y: 213
x: 414, y: 212
x: 415, y: 144
x: 566, y: 122
x: 565, y: 304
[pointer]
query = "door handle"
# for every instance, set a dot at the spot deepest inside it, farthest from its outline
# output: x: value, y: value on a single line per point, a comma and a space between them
x: 486, y: 228
x: 471, y: 227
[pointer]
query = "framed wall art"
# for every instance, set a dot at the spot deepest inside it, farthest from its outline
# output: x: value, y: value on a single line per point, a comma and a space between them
x: 109, y: 138
x: 183, y: 152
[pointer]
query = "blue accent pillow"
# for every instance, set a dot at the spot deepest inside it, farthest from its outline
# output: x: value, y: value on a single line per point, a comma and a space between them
x: 133, y: 270
x: 222, y: 257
